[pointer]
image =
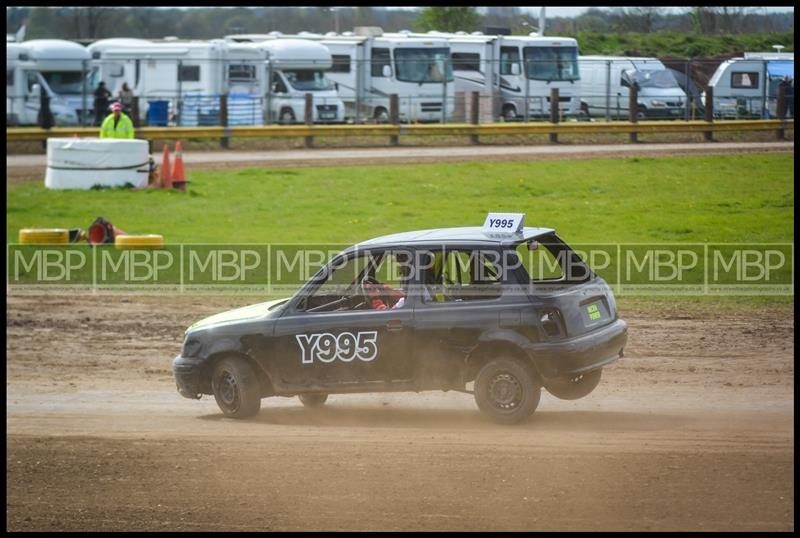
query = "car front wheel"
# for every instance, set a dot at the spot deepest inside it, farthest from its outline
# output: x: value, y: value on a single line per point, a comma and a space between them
x: 313, y: 400
x: 572, y: 388
x: 507, y: 391
x: 236, y: 388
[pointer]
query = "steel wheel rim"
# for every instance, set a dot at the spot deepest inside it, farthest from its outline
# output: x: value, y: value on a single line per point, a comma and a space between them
x: 228, y: 390
x: 505, y: 392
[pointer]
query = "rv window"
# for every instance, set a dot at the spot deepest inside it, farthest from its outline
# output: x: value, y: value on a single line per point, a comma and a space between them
x: 9, y: 77
x: 744, y: 80
x: 380, y: 57
x: 508, y: 56
x: 463, y: 61
x: 116, y: 71
x: 189, y: 73
x: 32, y: 79
x: 241, y: 73
x: 341, y: 63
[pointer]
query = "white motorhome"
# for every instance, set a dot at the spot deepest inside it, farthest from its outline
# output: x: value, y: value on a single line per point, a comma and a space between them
x: 54, y: 66
x: 520, y: 70
x: 193, y: 74
x: 367, y: 69
x: 742, y: 85
x: 606, y: 83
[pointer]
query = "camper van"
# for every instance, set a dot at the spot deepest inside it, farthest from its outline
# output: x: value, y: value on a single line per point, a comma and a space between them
x: 606, y: 83
x: 191, y: 75
x: 519, y: 70
x: 54, y: 66
x: 368, y: 68
x: 743, y: 85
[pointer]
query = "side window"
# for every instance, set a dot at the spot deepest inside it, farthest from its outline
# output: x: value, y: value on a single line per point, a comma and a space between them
x: 241, y: 72
x: 341, y: 63
x: 463, y: 275
x: 744, y: 80
x: 380, y: 57
x: 278, y: 86
x: 464, y: 61
x: 189, y: 73
x: 393, y: 269
x: 331, y: 294
x: 540, y: 263
x: 32, y: 79
x: 508, y: 57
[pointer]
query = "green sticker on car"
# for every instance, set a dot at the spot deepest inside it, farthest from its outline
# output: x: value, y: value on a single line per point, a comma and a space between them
x: 593, y: 311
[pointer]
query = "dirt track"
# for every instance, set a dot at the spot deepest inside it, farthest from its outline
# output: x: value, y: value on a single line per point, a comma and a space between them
x: 692, y: 430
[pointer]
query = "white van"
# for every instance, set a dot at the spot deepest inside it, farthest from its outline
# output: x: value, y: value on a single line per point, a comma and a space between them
x: 742, y: 85
x: 606, y: 83
x: 518, y: 69
x: 367, y: 69
x: 192, y: 75
x: 53, y: 65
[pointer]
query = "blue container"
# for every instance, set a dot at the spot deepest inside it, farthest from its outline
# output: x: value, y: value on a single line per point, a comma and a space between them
x: 158, y: 113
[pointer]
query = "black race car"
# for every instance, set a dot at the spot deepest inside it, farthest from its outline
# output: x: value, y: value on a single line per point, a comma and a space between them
x: 498, y: 315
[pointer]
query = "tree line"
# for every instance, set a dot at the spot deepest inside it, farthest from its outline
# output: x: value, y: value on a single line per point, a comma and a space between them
x: 701, y: 31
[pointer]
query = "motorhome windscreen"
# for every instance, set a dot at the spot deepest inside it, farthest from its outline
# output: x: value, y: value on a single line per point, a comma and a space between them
x: 551, y: 63
x: 64, y: 81
x: 308, y: 80
x: 654, y: 79
x: 423, y: 65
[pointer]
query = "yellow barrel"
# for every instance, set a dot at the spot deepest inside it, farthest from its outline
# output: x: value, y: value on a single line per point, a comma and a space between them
x: 44, y: 236
x: 139, y: 241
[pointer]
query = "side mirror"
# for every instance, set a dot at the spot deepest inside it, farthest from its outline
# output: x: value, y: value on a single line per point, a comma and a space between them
x: 336, y: 86
x: 387, y: 71
x: 624, y: 82
x: 515, y: 68
x: 275, y: 88
x: 533, y: 244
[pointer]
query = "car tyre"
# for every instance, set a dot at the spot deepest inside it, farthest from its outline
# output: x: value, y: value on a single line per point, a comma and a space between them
x: 236, y: 388
x: 572, y: 388
x: 313, y: 400
x: 510, y: 113
x: 286, y: 117
x: 507, y: 391
x: 381, y: 115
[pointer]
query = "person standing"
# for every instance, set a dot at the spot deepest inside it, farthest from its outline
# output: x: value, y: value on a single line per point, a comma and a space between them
x: 101, y: 96
x: 126, y: 98
x: 117, y: 124
x: 45, y: 118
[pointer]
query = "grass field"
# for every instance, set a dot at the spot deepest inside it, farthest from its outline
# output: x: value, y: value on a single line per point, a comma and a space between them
x: 733, y: 199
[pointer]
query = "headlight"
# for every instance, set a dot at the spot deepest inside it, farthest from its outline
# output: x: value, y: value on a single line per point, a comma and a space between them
x: 191, y: 347
x: 657, y: 103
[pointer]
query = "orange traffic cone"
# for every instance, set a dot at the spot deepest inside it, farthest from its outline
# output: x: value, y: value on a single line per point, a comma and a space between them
x: 178, y: 174
x: 101, y: 231
x: 166, y: 178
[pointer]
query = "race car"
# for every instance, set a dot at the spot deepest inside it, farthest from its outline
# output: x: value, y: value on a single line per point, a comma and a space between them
x: 462, y: 309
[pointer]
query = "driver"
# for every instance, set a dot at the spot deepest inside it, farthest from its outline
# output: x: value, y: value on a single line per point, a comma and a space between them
x: 384, y: 297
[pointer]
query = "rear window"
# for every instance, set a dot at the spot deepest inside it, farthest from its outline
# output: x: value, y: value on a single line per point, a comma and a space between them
x: 548, y: 259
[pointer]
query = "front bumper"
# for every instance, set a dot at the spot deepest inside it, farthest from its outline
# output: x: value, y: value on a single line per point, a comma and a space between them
x: 581, y: 354
x: 187, y: 377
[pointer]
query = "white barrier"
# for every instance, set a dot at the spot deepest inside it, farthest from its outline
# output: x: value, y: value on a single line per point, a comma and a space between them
x: 81, y: 163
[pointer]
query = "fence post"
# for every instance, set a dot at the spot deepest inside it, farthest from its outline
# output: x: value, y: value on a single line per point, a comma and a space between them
x: 608, y: 92
x: 309, y: 116
x: 394, y: 116
x: 527, y: 92
x: 223, y: 119
x: 269, y: 93
x: 780, y: 111
x: 444, y: 93
x: 554, y: 112
x: 474, y: 115
x: 85, y: 101
x: 764, y: 84
x: 688, y: 79
x: 709, y: 112
x: 135, y: 112
x: 633, y: 111
x: 179, y: 112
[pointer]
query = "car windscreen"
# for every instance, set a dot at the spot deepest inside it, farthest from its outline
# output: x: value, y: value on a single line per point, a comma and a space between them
x: 308, y: 80
x: 62, y: 82
x: 654, y: 79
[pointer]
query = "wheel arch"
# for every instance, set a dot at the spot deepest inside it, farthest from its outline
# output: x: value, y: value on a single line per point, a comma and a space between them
x: 494, y: 344
x: 264, y: 377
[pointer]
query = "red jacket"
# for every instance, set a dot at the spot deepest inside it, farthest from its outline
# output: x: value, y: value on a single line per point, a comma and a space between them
x: 381, y: 294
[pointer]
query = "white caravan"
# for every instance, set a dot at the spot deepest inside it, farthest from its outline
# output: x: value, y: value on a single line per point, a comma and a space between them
x: 54, y: 66
x: 493, y: 65
x: 196, y: 73
x: 606, y: 83
x: 742, y: 84
x: 367, y: 69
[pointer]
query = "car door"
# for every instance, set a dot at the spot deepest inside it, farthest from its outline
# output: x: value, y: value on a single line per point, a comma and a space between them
x: 349, y: 346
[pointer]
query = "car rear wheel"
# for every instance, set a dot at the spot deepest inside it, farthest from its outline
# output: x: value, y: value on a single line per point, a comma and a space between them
x: 507, y: 391
x: 313, y: 400
x: 572, y: 388
x: 236, y: 388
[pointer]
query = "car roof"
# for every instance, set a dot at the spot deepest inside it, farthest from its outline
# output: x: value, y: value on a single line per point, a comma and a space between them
x: 454, y: 236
